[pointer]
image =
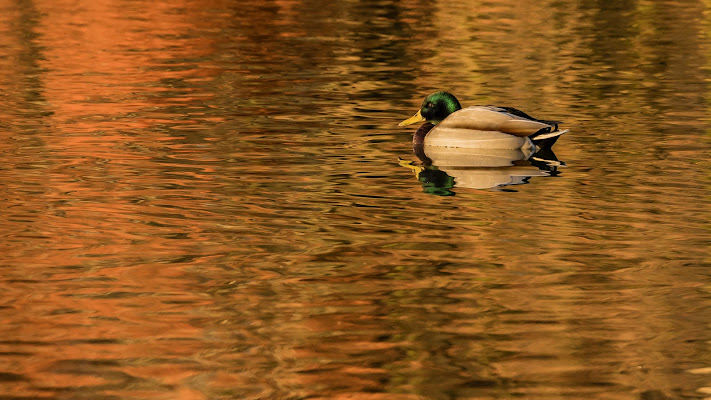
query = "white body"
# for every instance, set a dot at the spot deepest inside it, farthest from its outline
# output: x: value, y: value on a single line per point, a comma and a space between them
x: 442, y: 136
x: 486, y: 127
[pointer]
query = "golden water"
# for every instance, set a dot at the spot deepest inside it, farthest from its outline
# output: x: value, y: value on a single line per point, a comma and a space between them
x: 212, y: 200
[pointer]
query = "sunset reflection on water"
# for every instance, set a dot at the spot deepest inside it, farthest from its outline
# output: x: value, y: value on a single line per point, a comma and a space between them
x: 208, y: 200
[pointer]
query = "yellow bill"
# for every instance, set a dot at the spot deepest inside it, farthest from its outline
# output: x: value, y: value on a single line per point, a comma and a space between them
x: 412, y: 120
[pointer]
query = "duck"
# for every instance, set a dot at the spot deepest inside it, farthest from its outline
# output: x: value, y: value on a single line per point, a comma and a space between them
x: 447, y: 124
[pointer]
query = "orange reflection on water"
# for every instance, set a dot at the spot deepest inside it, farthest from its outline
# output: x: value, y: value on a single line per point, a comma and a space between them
x: 105, y: 61
x: 202, y: 200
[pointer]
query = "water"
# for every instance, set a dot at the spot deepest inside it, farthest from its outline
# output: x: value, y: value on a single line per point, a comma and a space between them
x: 212, y: 200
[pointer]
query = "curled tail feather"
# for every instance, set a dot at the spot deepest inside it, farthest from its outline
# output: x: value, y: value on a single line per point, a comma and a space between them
x: 547, y: 137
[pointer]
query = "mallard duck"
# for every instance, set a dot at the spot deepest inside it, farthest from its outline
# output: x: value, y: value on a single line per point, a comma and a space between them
x: 447, y: 124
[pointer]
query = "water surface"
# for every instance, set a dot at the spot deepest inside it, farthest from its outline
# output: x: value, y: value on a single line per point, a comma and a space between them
x: 212, y: 200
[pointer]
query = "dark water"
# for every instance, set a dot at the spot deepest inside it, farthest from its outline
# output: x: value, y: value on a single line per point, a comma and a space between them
x: 212, y: 200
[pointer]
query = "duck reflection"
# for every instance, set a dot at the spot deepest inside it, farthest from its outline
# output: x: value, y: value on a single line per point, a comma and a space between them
x: 444, y: 168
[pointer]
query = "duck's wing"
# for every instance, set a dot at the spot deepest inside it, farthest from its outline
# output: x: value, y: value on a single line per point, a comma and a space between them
x: 522, y: 114
x: 497, y: 119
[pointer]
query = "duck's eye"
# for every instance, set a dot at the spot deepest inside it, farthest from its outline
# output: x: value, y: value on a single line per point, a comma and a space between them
x: 428, y: 105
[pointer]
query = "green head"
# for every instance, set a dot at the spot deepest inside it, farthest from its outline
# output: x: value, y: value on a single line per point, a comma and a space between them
x: 435, y: 108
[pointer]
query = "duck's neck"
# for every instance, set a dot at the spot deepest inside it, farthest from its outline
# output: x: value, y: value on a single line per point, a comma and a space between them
x: 419, y: 137
x: 419, y: 150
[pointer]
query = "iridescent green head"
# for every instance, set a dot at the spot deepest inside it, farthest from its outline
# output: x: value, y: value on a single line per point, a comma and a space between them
x: 435, y: 108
